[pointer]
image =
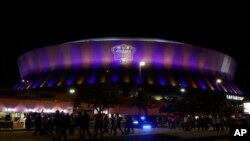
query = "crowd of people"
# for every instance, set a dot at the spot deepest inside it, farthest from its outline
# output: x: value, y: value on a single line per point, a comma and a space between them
x: 203, y: 122
x: 60, y: 125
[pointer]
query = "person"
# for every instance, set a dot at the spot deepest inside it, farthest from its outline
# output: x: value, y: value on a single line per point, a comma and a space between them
x: 112, y: 121
x: 71, y: 124
x: 56, y: 125
x: 105, y: 123
x: 80, y: 123
x: 28, y: 122
x: 86, y: 120
x: 131, y: 124
x: 127, y: 125
x: 63, y: 126
x: 118, y: 124
x: 38, y: 122
x: 98, y: 124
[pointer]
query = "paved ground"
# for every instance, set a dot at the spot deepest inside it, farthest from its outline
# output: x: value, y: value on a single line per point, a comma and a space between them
x: 156, y: 134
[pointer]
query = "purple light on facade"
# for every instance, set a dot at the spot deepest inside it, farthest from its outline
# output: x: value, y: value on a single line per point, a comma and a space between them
x: 138, y: 80
x: 193, y: 60
x: 70, y: 80
x: 92, y: 79
x: 94, y: 54
x: 177, y: 57
x: 216, y: 85
x: 238, y: 91
x: 202, y: 84
x: 24, y: 86
x: 76, y: 56
x: 58, y: 57
x: 158, y: 57
x: 43, y: 55
x: 228, y: 87
x: 138, y: 56
x: 162, y: 81
x: 51, y: 82
x: 182, y: 81
x: 37, y: 83
x: 115, y: 78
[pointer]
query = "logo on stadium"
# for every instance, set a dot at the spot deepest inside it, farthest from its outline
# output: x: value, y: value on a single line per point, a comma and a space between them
x: 123, y: 53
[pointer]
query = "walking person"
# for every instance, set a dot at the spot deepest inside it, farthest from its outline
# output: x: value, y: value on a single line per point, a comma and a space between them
x: 118, y: 123
x: 63, y: 126
x: 28, y: 122
x: 126, y: 127
x: 105, y: 123
x: 131, y: 125
x: 71, y: 124
x: 56, y: 125
x: 112, y: 122
x: 38, y: 122
x: 98, y: 124
x: 86, y: 120
x: 79, y: 123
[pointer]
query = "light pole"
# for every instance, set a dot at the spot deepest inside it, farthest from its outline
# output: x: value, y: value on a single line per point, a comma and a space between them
x: 108, y: 80
x: 218, y: 81
x: 141, y: 64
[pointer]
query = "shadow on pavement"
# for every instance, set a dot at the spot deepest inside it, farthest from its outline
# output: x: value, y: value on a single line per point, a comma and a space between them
x: 156, y: 137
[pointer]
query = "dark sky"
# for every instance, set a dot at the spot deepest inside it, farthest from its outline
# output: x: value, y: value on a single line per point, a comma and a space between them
x: 226, y: 31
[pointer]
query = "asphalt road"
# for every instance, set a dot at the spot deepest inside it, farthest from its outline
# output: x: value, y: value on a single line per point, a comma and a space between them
x: 140, y: 135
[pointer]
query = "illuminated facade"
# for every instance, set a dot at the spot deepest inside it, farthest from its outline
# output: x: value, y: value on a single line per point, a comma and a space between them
x: 162, y: 64
x: 168, y: 63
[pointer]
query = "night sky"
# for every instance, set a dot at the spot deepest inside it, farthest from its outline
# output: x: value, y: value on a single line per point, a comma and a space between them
x: 227, y: 32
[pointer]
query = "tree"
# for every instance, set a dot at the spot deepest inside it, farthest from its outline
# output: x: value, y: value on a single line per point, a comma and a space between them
x: 99, y: 97
x: 142, y: 99
x: 204, y: 103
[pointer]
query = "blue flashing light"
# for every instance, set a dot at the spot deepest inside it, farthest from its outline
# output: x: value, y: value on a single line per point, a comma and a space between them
x: 146, y: 127
x: 136, y: 122
x: 142, y: 117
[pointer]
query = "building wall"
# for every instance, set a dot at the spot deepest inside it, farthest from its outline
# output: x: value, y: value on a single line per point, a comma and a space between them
x: 25, y: 105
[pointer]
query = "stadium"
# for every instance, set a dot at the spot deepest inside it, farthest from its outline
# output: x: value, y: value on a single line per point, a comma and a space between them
x: 166, y: 69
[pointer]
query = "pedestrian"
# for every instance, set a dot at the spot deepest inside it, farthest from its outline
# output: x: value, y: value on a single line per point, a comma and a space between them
x: 28, y: 122
x: 86, y: 120
x: 118, y: 123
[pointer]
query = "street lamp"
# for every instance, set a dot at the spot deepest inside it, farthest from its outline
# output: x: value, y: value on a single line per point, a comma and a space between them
x: 72, y: 91
x: 218, y: 80
x: 108, y: 81
x: 182, y: 90
x: 141, y: 64
x: 108, y: 77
